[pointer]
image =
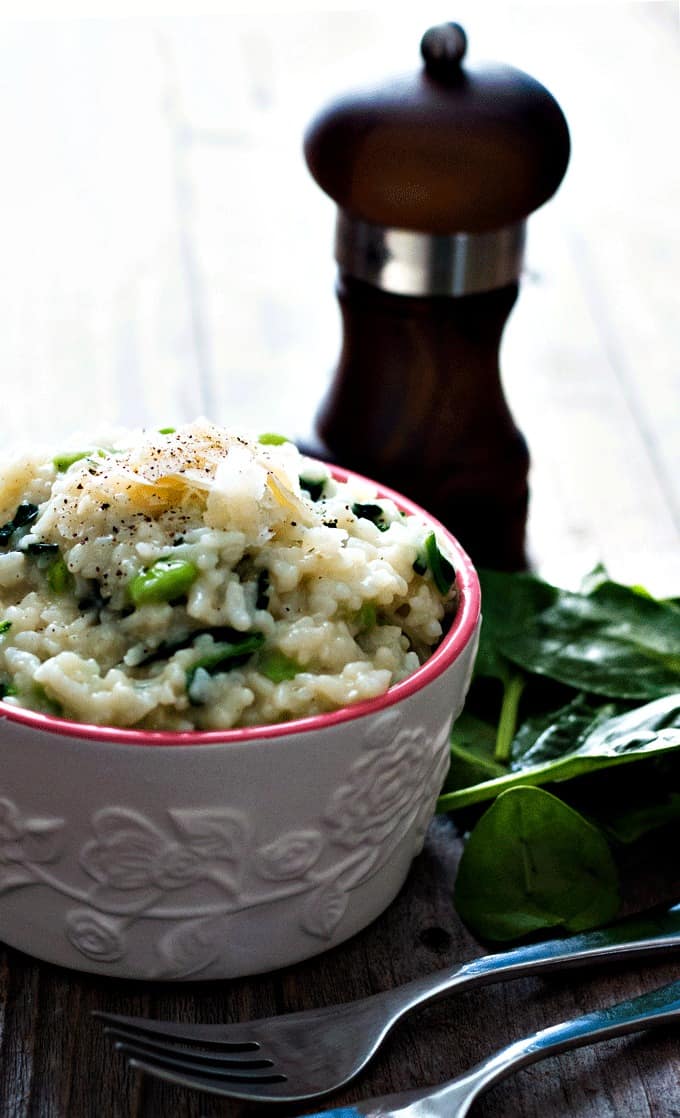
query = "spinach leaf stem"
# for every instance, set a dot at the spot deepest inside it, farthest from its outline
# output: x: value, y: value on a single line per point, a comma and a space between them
x: 507, y: 723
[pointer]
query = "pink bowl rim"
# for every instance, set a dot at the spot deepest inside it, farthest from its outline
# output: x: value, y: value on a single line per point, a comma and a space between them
x: 460, y: 632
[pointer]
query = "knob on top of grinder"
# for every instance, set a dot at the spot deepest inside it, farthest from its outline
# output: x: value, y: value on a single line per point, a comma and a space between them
x: 434, y: 174
x: 452, y: 148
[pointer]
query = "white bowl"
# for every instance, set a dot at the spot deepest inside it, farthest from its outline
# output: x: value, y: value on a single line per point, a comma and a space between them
x: 216, y: 854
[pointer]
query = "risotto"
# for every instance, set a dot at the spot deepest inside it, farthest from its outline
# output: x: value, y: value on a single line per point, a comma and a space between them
x: 203, y: 579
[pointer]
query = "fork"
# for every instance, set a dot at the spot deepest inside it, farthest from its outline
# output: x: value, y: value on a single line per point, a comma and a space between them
x: 453, y: 1099
x: 302, y: 1055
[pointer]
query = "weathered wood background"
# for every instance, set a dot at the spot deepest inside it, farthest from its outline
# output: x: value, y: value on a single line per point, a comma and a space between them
x: 164, y: 253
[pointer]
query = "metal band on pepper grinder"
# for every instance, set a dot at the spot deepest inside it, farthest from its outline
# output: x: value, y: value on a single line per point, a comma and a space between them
x: 406, y: 262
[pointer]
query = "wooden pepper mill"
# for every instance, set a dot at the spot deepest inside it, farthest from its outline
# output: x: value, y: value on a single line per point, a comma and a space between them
x: 434, y: 175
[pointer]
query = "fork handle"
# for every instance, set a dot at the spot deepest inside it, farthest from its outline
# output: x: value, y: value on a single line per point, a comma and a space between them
x: 659, y: 1007
x: 627, y: 939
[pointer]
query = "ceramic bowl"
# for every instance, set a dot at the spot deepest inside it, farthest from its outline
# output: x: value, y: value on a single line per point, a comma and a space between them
x: 217, y: 854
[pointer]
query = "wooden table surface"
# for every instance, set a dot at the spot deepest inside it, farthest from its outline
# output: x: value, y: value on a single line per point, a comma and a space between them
x: 165, y: 254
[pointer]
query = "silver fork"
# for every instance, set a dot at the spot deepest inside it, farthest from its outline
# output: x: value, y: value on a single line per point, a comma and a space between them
x: 302, y: 1055
x: 453, y: 1099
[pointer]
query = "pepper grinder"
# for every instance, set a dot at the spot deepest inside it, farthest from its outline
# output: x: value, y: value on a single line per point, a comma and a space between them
x: 434, y: 175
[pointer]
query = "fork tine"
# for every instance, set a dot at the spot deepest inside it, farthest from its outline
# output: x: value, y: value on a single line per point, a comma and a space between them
x: 126, y: 1041
x: 217, y: 1035
x: 226, y: 1072
x: 202, y: 1082
x: 253, y: 1090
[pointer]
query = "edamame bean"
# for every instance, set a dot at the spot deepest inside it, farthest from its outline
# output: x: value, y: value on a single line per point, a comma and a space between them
x: 167, y: 580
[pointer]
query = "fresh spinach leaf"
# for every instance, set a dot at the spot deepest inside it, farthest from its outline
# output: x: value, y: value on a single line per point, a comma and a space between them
x: 613, y: 642
x: 532, y: 862
x: 646, y: 731
x: 549, y: 736
x: 627, y: 802
x: 509, y: 602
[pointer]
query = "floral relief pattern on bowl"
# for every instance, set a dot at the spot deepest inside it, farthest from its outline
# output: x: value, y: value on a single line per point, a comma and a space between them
x: 192, y: 871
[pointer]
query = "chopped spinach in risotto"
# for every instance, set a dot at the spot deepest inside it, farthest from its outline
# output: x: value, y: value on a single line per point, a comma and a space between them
x: 202, y: 579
